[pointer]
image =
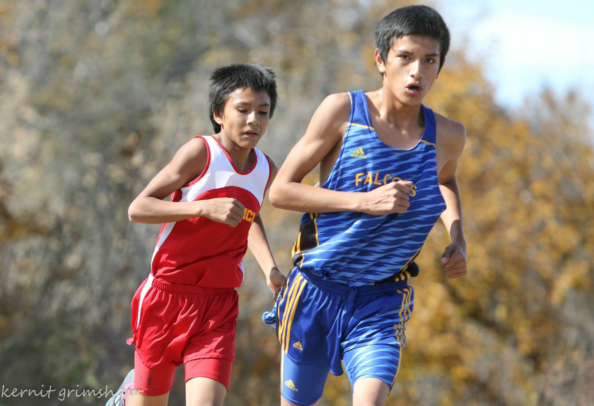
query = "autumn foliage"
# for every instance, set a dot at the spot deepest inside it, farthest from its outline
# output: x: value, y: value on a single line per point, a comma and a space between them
x: 96, y: 96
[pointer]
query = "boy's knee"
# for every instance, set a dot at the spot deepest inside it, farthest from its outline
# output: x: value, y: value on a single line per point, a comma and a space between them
x: 369, y: 403
x: 202, y: 391
x: 370, y: 392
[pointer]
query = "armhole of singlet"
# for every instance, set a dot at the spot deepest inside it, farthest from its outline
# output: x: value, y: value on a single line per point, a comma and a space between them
x: 429, y: 136
x: 206, y: 166
x: 269, y: 176
x: 351, y: 116
x: 336, y: 165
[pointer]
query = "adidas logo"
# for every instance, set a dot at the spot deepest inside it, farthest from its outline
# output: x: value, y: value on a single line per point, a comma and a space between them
x: 358, y: 153
x: 298, y: 346
x: 289, y: 384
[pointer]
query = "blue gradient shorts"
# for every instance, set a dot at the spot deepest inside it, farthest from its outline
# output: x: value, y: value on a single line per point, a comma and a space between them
x: 321, y: 323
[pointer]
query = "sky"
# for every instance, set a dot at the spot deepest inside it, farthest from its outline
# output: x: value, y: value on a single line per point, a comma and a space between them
x: 526, y: 44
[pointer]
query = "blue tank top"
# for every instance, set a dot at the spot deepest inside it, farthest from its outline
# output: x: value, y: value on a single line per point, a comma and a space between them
x: 359, y: 249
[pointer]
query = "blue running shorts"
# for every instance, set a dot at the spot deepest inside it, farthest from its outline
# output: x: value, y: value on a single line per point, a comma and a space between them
x: 321, y: 323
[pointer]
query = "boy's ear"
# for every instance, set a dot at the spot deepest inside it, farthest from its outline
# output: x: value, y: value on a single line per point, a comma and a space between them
x: 381, y: 67
x: 218, y: 117
x: 440, y: 68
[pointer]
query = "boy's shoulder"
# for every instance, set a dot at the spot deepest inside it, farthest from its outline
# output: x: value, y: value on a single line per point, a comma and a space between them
x: 331, y: 116
x: 451, y: 134
x: 196, y: 143
x: 191, y: 158
x: 195, y: 148
x: 337, y: 105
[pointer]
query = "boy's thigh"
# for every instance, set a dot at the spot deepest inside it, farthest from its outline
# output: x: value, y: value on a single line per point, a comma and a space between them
x: 377, y: 361
x: 310, y: 323
x: 376, y: 335
x: 214, y: 369
x: 379, y: 319
x: 178, y: 327
x: 370, y: 391
x: 151, y: 381
x: 302, y: 384
x: 210, y: 354
x: 203, y: 391
x: 212, y: 346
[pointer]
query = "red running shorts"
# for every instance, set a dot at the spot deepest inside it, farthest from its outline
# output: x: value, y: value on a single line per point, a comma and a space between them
x: 179, y: 324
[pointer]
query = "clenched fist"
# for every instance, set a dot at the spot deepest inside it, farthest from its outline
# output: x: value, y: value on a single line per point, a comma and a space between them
x: 453, y: 261
x: 223, y: 210
x: 393, y: 197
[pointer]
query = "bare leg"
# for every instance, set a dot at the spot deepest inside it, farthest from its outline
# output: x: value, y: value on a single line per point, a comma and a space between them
x: 205, y: 392
x: 370, y: 392
x: 136, y: 399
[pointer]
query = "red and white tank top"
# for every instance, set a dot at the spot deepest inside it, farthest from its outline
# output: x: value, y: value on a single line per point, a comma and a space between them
x: 202, y: 252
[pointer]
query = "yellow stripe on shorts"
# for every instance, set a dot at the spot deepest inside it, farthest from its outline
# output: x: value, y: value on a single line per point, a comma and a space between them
x: 296, y: 301
x: 289, y: 298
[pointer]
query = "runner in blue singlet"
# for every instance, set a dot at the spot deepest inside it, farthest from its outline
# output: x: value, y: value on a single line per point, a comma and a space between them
x: 388, y: 172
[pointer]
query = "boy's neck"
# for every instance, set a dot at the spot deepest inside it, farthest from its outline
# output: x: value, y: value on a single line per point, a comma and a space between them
x: 396, y: 114
x: 241, y: 157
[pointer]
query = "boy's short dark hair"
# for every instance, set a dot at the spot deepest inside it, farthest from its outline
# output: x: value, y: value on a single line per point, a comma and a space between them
x: 227, y: 79
x: 412, y: 20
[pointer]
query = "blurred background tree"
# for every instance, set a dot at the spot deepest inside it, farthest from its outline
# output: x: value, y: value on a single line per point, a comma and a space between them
x: 97, y: 95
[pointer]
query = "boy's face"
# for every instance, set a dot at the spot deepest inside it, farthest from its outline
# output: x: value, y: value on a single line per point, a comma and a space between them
x: 411, y: 67
x: 245, y: 116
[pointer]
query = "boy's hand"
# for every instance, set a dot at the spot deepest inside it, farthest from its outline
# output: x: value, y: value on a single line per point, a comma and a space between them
x: 393, y: 197
x: 275, y: 281
x: 453, y: 261
x: 222, y: 210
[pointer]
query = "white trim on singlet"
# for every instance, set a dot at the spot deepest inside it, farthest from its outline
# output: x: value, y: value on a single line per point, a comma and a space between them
x: 221, y: 174
x: 145, y: 289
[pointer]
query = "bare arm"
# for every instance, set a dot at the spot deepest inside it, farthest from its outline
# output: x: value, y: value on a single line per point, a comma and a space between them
x: 187, y: 164
x: 324, y: 132
x: 258, y: 245
x: 454, y: 257
x: 452, y: 216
